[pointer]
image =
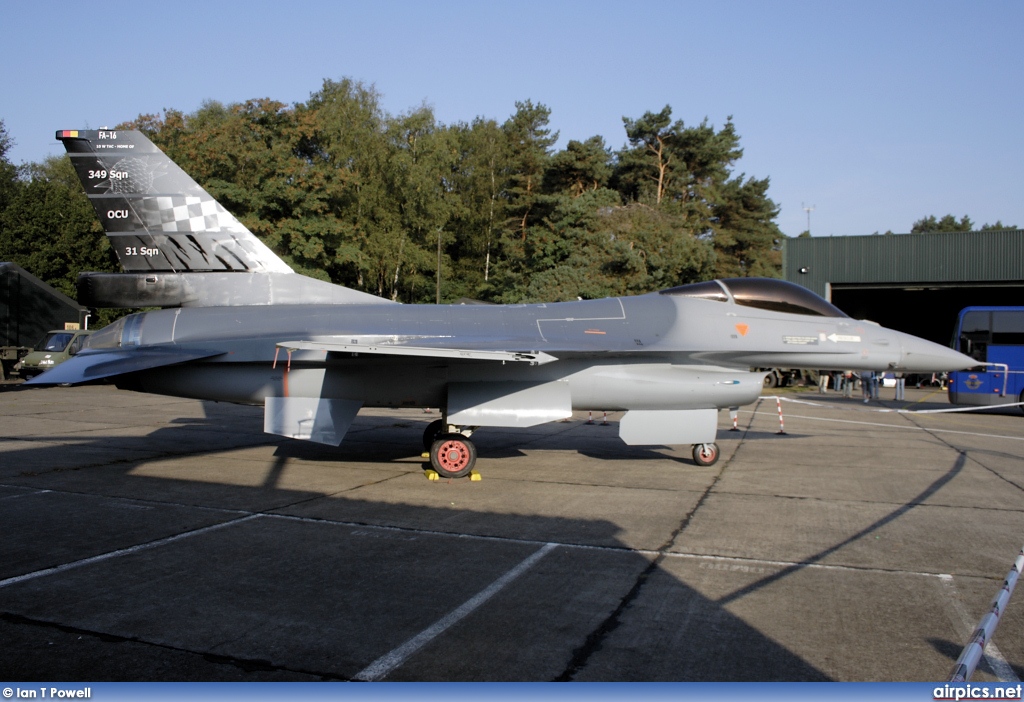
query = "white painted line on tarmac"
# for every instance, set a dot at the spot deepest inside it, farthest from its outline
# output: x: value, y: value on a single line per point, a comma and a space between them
x: 132, y: 500
x: 389, y: 661
x: 972, y: 408
x: 790, y: 399
x: 740, y: 561
x: 897, y: 426
x: 946, y: 410
x: 121, y: 552
x: 747, y: 564
x: 23, y: 494
x: 993, y: 655
x: 546, y: 546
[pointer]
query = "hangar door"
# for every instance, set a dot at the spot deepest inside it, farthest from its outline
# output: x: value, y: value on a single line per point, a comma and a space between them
x: 928, y: 312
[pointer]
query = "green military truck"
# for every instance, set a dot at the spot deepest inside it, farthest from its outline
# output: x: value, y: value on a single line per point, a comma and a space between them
x: 29, y: 310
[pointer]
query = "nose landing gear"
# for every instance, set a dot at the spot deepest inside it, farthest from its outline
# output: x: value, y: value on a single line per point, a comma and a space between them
x: 705, y: 454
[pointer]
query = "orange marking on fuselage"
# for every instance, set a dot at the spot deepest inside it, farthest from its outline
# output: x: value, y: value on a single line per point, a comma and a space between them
x: 742, y: 329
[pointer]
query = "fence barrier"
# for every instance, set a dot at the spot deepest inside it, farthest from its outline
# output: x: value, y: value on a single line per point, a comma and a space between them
x: 965, y: 665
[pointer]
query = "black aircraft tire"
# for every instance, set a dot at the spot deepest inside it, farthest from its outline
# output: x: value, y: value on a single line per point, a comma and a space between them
x: 431, y: 433
x: 771, y: 381
x: 452, y: 456
x: 1021, y: 399
x: 706, y: 454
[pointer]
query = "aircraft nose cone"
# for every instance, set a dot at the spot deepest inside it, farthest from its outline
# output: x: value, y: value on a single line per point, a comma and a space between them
x: 920, y: 356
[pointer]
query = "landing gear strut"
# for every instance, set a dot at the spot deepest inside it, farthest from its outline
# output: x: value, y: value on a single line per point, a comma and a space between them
x: 430, y: 434
x: 705, y: 454
x: 451, y: 452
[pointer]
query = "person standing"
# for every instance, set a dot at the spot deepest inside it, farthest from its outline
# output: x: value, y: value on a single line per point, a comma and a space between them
x: 867, y: 379
x: 901, y: 384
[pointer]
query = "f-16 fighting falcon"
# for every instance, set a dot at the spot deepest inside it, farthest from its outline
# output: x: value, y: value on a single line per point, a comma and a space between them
x: 238, y: 325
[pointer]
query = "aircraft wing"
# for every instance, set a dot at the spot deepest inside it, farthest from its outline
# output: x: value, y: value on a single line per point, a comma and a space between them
x: 103, y: 363
x: 532, y: 357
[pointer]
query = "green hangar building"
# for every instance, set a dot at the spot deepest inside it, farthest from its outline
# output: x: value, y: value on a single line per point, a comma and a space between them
x: 916, y: 283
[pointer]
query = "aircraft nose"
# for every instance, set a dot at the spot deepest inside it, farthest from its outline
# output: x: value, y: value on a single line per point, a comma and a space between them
x: 920, y: 356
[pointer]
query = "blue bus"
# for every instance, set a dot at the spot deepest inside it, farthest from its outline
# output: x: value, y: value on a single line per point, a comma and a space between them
x: 994, y: 336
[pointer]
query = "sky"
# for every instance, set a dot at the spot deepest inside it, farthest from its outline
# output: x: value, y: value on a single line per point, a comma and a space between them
x: 871, y: 115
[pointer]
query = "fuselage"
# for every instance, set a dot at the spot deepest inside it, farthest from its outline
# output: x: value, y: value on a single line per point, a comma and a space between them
x: 653, y: 351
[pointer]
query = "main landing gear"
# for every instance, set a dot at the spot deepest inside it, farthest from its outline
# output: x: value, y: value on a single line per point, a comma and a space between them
x: 452, y: 454
x: 705, y: 454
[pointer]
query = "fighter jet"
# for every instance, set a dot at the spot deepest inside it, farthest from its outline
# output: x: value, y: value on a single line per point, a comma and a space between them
x: 238, y: 325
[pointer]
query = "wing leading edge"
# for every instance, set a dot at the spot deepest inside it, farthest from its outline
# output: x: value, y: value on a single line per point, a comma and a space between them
x: 96, y: 365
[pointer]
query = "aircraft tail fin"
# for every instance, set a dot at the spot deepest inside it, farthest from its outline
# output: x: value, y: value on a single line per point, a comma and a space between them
x: 156, y: 216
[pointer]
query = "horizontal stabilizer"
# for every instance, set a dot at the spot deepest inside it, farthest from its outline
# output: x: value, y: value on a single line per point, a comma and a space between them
x: 94, y: 365
x: 533, y: 357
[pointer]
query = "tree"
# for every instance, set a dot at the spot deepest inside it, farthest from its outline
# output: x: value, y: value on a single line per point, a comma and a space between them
x: 529, y: 144
x: 8, y: 171
x: 650, y: 249
x: 998, y: 226
x: 948, y: 223
x: 343, y: 140
x: 49, y: 228
x: 648, y: 162
x: 478, y: 182
x: 747, y: 240
x: 687, y: 172
x: 582, y: 166
x: 682, y: 164
x: 708, y: 157
x: 418, y: 177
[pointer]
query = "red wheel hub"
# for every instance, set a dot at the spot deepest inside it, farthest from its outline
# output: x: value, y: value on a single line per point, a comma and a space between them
x: 453, y: 456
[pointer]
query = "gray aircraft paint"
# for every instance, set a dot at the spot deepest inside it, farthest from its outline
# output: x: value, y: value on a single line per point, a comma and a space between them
x: 249, y: 330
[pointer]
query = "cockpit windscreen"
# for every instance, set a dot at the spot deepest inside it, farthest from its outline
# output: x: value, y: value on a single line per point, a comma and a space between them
x: 763, y: 293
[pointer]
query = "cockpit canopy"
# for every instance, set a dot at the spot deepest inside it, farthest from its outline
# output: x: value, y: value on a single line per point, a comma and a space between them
x: 764, y: 293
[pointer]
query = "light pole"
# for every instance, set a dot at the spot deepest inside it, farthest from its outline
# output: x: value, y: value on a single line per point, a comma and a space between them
x: 439, y: 265
x: 808, y: 210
